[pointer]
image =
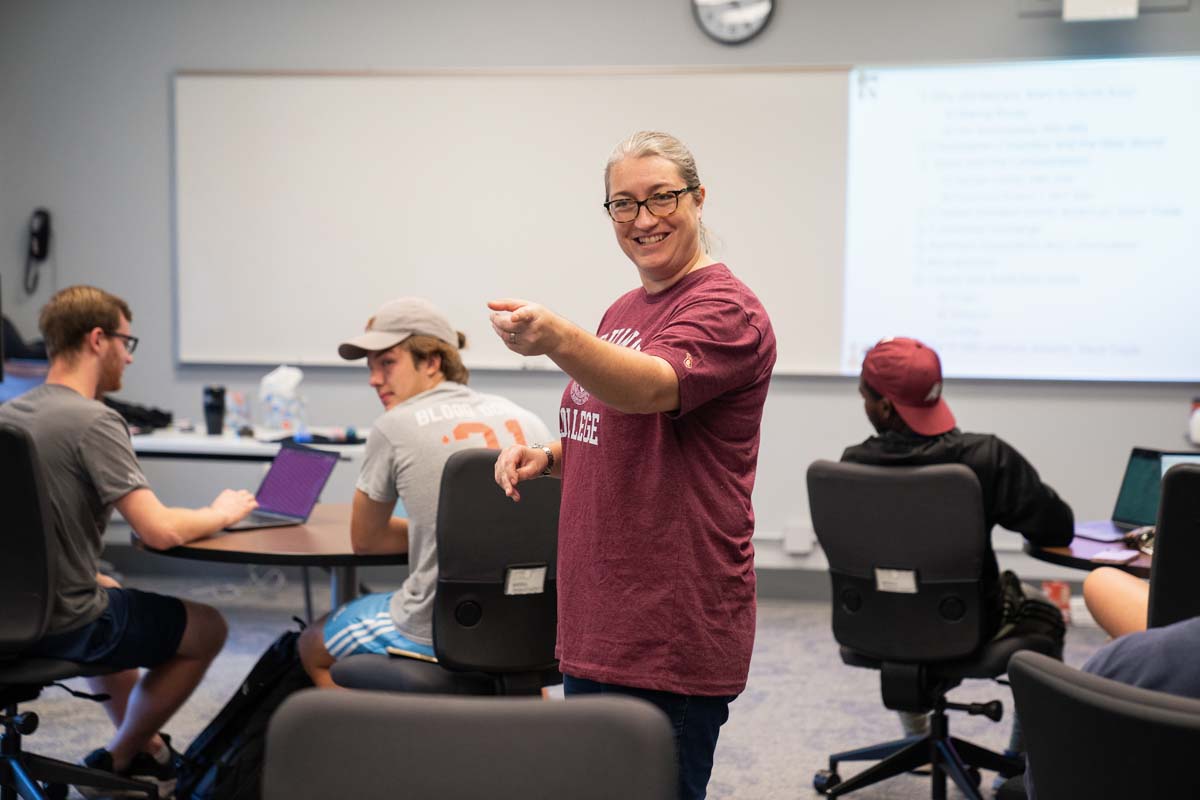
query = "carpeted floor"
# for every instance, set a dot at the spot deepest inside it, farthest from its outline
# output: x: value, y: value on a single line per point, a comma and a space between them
x: 801, y: 702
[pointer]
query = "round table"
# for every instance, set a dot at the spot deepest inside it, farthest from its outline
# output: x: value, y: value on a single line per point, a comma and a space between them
x: 1079, y: 554
x: 323, y: 541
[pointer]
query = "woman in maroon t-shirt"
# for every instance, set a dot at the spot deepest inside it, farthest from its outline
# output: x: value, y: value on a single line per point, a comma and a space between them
x: 659, y: 439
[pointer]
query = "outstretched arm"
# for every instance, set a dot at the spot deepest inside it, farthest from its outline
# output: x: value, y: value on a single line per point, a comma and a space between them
x: 1027, y: 505
x: 162, y: 527
x: 621, y: 378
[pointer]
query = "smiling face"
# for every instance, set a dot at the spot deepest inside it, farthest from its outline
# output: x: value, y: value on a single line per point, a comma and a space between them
x: 396, y: 377
x: 664, y: 249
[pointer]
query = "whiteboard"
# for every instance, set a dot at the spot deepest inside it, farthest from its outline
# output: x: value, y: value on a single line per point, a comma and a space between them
x: 304, y: 201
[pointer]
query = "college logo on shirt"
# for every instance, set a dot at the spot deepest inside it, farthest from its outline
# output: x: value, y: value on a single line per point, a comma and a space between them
x: 579, y: 426
x: 579, y: 394
x: 626, y: 337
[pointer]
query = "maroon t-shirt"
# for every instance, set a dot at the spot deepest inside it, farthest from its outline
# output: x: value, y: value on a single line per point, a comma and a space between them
x: 656, y: 578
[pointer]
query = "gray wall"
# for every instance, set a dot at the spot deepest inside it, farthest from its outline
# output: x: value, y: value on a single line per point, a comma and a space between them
x: 85, y: 131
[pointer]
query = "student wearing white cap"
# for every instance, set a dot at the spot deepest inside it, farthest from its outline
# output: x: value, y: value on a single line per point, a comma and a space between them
x: 412, y: 353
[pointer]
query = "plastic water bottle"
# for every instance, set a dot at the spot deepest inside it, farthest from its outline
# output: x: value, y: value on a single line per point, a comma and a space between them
x: 297, y: 416
x: 237, y: 415
x: 272, y: 413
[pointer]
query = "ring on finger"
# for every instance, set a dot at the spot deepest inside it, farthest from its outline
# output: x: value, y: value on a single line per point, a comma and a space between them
x: 512, y: 337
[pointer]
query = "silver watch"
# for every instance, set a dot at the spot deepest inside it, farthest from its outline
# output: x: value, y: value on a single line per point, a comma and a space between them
x: 545, y: 448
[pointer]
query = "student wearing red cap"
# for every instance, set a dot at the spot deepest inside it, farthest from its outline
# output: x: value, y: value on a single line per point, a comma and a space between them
x: 901, y: 387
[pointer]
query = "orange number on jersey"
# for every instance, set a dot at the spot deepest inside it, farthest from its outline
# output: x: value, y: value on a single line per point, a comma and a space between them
x: 464, y: 429
x: 514, y: 428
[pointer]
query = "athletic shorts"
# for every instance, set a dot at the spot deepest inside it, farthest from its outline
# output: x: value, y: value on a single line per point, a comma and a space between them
x: 138, y: 629
x: 365, y: 625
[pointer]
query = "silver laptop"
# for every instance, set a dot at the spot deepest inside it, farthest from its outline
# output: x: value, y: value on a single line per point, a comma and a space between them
x: 290, y: 488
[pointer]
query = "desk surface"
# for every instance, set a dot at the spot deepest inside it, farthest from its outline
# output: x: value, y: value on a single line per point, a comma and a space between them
x: 323, y: 541
x: 1079, y: 552
x: 169, y: 443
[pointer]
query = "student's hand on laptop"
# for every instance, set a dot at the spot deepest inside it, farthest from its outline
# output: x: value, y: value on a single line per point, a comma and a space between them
x: 233, y: 504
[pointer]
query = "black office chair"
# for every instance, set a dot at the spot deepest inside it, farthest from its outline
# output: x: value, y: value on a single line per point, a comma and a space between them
x: 488, y: 639
x: 1174, y: 595
x: 1092, y: 737
x: 381, y: 746
x: 26, y: 597
x: 906, y: 549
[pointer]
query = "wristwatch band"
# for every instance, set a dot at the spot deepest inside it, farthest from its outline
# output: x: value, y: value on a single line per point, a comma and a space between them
x: 549, y: 457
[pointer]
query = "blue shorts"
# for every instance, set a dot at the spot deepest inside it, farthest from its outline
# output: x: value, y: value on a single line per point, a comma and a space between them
x: 365, y: 625
x: 138, y: 629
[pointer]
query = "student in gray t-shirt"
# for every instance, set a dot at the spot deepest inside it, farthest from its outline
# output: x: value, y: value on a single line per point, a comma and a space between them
x: 89, y: 468
x: 415, y: 368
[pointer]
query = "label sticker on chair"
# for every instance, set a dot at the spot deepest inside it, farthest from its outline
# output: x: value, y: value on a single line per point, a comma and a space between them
x: 525, y: 580
x: 901, y: 581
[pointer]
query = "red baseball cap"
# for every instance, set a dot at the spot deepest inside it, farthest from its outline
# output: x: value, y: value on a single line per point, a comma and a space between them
x: 909, y: 374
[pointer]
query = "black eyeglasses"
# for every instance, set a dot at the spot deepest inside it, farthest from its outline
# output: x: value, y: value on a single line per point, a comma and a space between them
x: 659, y: 204
x: 130, y: 342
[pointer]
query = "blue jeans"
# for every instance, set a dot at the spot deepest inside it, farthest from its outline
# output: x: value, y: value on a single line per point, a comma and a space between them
x: 695, y: 720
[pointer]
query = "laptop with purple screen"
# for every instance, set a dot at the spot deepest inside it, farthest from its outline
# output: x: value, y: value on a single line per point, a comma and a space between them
x: 290, y: 488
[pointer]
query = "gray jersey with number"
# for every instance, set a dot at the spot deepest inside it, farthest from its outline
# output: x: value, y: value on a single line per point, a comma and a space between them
x: 406, y: 450
x: 88, y: 464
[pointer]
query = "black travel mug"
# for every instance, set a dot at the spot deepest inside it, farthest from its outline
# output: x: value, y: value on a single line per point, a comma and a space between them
x: 214, y: 409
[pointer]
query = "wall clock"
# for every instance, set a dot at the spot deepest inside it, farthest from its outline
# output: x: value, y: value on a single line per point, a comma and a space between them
x: 733, y: 21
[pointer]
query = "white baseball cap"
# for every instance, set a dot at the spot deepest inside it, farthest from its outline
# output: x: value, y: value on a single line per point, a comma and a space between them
x: 394, y: 322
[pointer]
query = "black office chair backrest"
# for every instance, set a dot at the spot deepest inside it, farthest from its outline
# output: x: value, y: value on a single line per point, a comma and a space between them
x: 1174, y: 594
x: 1087, y: 736
x: 27, y: 543
x: 496, y: 604
x: 906, y: 549
x: 383, y: 746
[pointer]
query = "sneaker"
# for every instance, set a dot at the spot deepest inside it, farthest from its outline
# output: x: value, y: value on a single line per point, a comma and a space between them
x: 144, y: 767
x: 102, y: 760
x: 99, y: 759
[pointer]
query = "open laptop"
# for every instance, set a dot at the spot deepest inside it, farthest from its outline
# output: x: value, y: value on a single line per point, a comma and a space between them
x: 1137, y: 499
x: 290, y: 488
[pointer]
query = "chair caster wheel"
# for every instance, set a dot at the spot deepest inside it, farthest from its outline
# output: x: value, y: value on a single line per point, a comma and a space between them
x: 825, y: 780
x: 55, y: 791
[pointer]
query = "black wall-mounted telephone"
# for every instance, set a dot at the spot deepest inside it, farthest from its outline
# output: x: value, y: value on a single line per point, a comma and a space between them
x: 39, y: 247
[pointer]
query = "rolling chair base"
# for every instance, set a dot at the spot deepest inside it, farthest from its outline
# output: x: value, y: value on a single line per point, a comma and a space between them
x: 23, y: 775
x: 945, y: 754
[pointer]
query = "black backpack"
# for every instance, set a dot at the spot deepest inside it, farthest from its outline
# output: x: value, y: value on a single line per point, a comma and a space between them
x: 225, y: 761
